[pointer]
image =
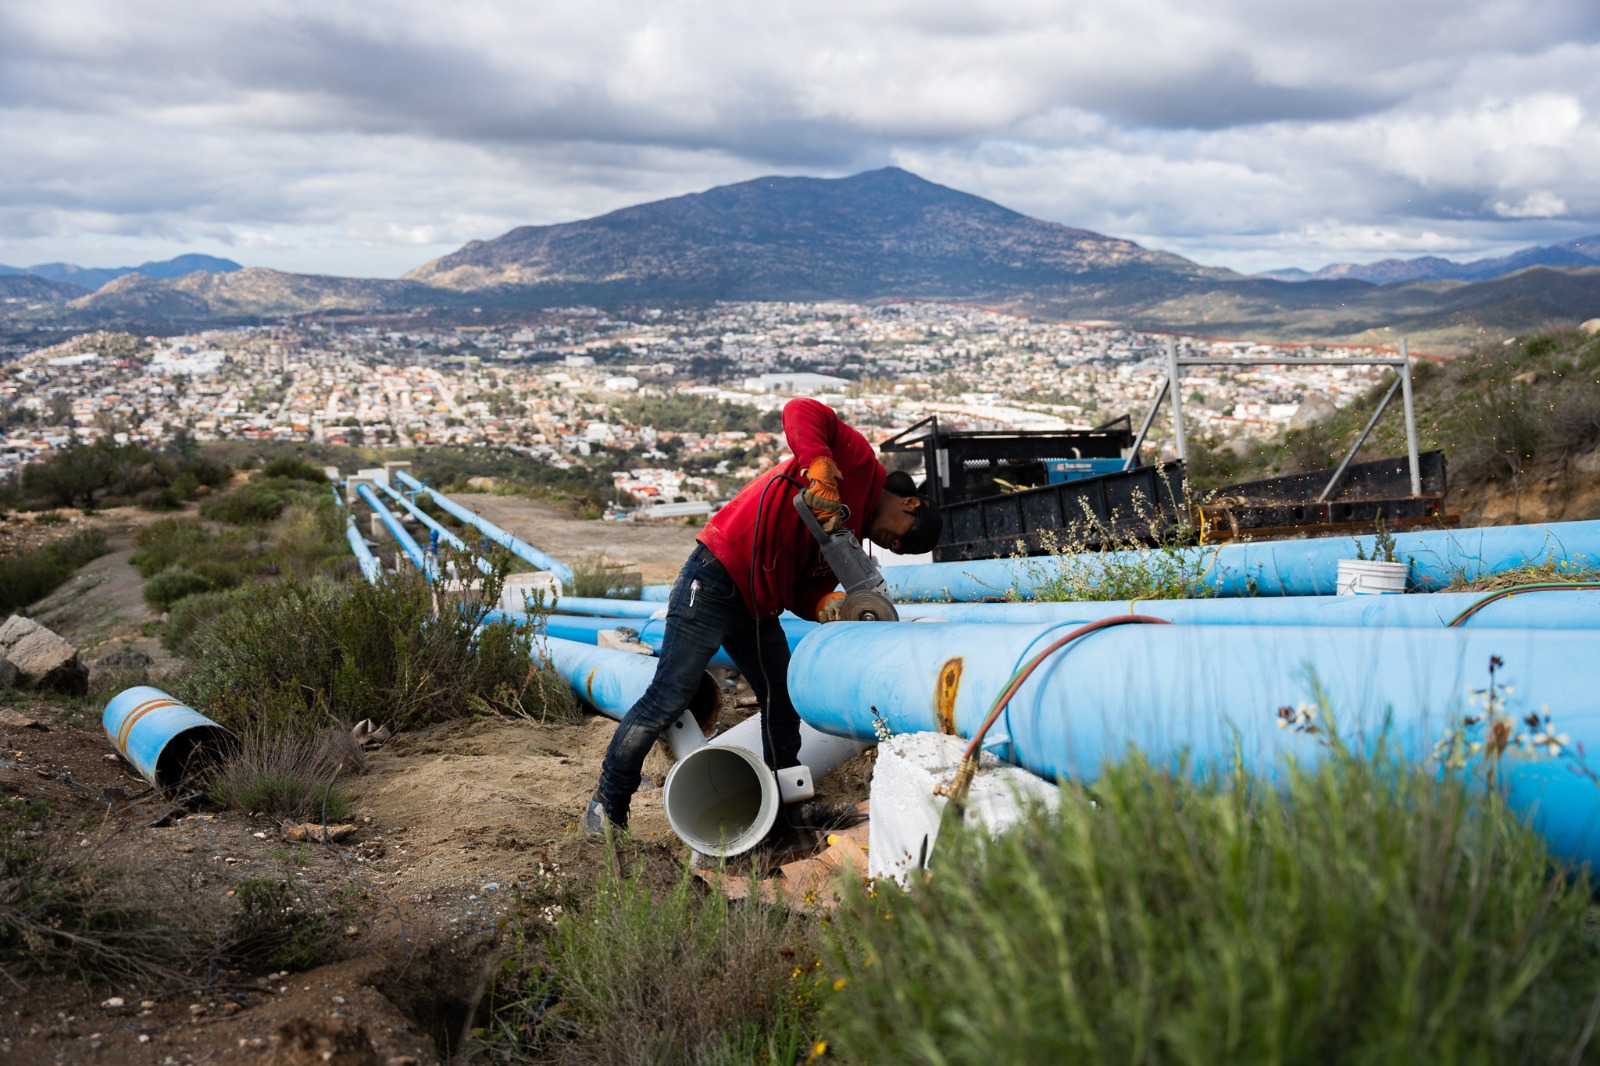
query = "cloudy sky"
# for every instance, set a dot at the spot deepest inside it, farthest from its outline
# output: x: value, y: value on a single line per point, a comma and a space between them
x: 362, y: 137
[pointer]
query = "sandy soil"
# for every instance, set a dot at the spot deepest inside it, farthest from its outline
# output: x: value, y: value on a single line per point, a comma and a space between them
x: 657, y: 550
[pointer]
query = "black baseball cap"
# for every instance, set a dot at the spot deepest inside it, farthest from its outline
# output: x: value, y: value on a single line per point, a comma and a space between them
x: 927, y: 523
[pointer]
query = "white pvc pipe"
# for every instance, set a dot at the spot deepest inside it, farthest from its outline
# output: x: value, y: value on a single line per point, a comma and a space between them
x: 722, y: 800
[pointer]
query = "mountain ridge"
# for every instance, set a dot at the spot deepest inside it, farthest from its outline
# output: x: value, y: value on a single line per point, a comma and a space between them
x: 1579, y: 252
x: 94, y: 278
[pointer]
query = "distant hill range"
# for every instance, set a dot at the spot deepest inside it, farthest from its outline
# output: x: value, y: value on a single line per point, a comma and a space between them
x: 92, y: 278
x: 1578, y: 252
x: 884, y: 234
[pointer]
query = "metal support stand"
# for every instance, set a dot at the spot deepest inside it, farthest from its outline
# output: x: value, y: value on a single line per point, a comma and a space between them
x: 1338, y: 475
x: 1144, y: 429
x: 1176, y: 382
x: 1411, y: 419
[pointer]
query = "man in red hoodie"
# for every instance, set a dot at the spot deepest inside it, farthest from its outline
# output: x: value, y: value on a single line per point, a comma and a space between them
x: 756, y: 559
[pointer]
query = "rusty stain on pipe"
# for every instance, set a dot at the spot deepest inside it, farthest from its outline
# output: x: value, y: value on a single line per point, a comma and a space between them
x: 944, y: 696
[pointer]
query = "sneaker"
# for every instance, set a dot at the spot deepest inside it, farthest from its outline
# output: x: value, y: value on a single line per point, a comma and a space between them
x: 597, y: 820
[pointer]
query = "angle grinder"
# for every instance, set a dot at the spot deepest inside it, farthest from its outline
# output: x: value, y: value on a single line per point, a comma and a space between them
x: 866, y: 593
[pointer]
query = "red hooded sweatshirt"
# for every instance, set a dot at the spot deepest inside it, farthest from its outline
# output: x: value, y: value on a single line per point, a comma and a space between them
x: 789, y: 571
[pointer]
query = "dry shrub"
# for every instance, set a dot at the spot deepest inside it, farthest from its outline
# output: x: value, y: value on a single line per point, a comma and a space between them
x: 288, y: 773
x: 666, y: 977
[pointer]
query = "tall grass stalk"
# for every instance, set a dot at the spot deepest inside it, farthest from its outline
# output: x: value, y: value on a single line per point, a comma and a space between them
x: 1361, y: 911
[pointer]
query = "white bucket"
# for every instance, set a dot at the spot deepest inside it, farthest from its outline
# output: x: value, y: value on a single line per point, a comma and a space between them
x: 1367, y: 577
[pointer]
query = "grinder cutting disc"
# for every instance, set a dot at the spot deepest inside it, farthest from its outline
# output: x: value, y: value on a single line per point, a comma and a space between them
x: 865, y: 605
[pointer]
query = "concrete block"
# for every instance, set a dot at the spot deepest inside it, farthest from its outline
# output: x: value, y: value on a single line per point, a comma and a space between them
x: 906, y: 810
x: 375, y: 474
x: 541, y: 586
x: 352, y: 486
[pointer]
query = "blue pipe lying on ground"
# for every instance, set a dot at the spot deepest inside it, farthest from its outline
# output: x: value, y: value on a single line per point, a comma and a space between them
x: 610, y: 608
x: 1577, y: 609
x: 165, y: 740
x: 407, y: 543
x: 371, y: 569
x: 611, y: 682
x: 587, y: 629
x: 1270, y: 568
x: 516, y: 545
x: 1216, y: 694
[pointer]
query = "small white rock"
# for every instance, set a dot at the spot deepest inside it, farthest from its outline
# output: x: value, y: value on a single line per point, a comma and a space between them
x: 115, y: 1003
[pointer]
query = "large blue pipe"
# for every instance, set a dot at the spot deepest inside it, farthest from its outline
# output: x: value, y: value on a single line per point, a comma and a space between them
x: 1577, y: 609
x: 165, y: 740
x: 587, y: 629
x: 371, y: 569
x: 407, y: 543
x: 1213, y: 694
x: 1272, y: 568
x: 516, y: 545
x: 611, y: 682
x: 444, y: 534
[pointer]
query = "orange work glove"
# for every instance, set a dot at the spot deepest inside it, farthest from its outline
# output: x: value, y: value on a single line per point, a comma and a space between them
x: 828, y: 607
x: 822, y: 496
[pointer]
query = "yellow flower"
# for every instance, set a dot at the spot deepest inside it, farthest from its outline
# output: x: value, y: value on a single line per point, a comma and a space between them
x: 819, y: 1049
x: 838, y: 986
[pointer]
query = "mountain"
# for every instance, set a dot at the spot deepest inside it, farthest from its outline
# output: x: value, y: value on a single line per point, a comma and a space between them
x: 94, y: 277
x: 882, y: 233
x: 1577, y: 253
x: 23, y: 288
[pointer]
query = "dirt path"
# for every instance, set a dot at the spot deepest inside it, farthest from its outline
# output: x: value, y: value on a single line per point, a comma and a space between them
x: 656, y: 550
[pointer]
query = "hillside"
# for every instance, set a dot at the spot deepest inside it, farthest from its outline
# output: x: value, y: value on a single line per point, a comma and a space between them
x: 251, y: 292
x: 28, y: 289
x: 1578, y: 252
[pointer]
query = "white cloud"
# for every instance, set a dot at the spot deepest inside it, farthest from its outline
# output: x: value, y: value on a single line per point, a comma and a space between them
x: 374, y: 132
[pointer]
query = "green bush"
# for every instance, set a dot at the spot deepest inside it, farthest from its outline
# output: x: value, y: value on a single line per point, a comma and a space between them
x: 294, y: 469
x: 252, y: 503
x: 668, y: 976
x: 1364, y: 911
x: 170, y: 586
x: 168, y: 543
x: 79, y: 475
x: 311, y: 653
x: 31, y: 576
x: 186, y: 616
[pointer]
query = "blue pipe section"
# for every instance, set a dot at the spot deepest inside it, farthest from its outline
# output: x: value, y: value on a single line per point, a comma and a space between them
x: 396, y: 530
x: 610, y: 608
x: 1577, y: 609
x: 611, y: 682
x: 655, y: 593
x: 338, y: 497
x: 518, y: 547
x: 587, y: 629
x: 1272, y: 568
x: 165, y: 740
x: 1211, y: 695
x: 444, y: 534
x: 371, y: 569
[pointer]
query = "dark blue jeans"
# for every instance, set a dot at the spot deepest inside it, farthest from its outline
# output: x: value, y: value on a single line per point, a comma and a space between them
x: 705, y: 611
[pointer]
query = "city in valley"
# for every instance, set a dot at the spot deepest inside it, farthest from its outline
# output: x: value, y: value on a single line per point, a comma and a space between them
x: 566, y: 385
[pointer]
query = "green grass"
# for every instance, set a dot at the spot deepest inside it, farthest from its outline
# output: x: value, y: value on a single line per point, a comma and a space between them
x: 1362, y: 912
x: 666, y: 976
x: 288, y: 773
x: 31, y: 576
